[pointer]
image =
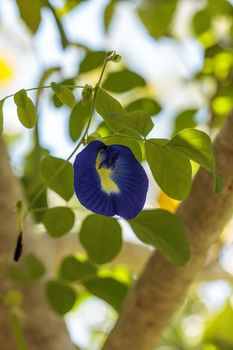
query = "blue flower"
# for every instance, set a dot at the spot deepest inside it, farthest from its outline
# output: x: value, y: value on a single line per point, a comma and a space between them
x: 108, y: 180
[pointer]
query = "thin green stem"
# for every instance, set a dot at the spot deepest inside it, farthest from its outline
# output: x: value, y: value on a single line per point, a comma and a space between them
x: 94, y: 97
x: 134, y: 138
x: 124, y: 135
x: 40, y: 192
x: 38, y: 210
x: 155, y: 143
x: 45, y: 87
x: 64, y: 40
x: 102, y: 72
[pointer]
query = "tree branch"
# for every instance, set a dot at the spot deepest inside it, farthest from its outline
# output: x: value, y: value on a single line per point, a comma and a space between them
x: 162, y: 286
x: 42, y: 328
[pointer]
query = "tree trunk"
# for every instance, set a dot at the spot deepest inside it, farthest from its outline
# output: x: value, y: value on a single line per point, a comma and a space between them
x: 162, y: 286
x: 42, y: 328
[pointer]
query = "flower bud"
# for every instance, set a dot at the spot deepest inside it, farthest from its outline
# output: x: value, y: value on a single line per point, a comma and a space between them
x: 87, y: 94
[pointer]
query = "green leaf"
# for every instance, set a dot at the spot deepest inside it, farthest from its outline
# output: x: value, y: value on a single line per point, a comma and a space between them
x: 157, y: 16
x: 20, y: 276
x: 64, y: 94
x: 101, y: 237
x: 218, y: 7
x: 92, y: 60
x: 138, y: 121
x: 62, y: 183
x: 202, y: 21
x: 1, y: 116
x: 109, y: 108
x: 32, y: 179
x: 147, y: 104
x: 170, y: 168
x: 30, y: 12
x: 78, y: 120
x: 122, y: 81
x: 75, y: 269
x: 28, y: 115
x: 57, y: 103
x: 132, y: 144
x: 34, y: 266
x: 108, y: 14
x: 219, y: 328
x: 195, y: 145
x: 164, y: 231
x: 213, y: 50
x: 108, y: 289
x: 185, y: 120
x: 69, y: 5
x: 60, y: 296
x: 219, y: 184
x: 25, y: 109
x: 58, y: 221
x: 103, y: 129
x: 20, y: 98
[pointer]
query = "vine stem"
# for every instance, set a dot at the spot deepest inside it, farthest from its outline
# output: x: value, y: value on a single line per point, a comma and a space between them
x: 64, y: 40
x: 45, y: 87
x: 41, y: 191
x: 123, y: 135
x: 134, y: 138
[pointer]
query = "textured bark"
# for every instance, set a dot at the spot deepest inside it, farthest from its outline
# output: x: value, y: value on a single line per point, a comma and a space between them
x: 162, y: 286
x: 42, y: 328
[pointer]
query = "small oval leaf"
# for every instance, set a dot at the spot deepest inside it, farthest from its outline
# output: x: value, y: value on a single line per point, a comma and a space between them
x: 60, y: 296
x: 109, y: 108
x: 157, y: 16
x: 25, y: 109
x: 170, y: 168
x: 64, y: 94
x: 184, y: 120
x: 122, y: 81
x: 108, y: 289
x: 78, y: 120
x: 101, y: 237
x: 75, y: 269
x: 138, y: 121
x: 147, y: 104
x: 164, y: 231
x: 92, y: 60
x: 58, y: 221
x: 34, y: 266
x: 195, y: 145
x: 62, y: 183
x: 30, y: 12
x: 108, y: 14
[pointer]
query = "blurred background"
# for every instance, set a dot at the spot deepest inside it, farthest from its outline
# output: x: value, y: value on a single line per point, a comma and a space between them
x: 180, y: 54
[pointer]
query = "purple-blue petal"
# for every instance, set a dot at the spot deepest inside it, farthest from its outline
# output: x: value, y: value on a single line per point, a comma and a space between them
x: 127, y: 173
